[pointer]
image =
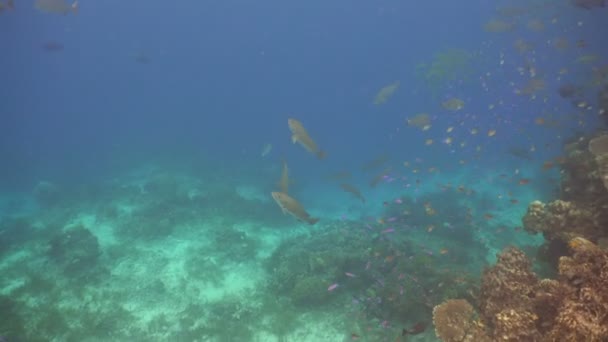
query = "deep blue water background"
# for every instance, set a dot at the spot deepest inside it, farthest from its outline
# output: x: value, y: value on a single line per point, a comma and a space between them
x: 224, y: 76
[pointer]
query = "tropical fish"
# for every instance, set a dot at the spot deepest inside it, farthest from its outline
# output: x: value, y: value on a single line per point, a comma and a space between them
x: 453, y: 104
x: 416, y: 329
x: 354, y: 191
x: 497, y: 26
x: 332, y: 287
x: 385, y: 93
x: 379, y: 177
x: 300, y: 135
x: 56, y: 6
x: 266, y: 149
x: 375, y: 163
x: 292, y: 207
x: 421, y: 121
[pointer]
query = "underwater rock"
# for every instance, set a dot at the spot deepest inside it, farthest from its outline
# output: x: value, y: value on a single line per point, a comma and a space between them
x: 310, y: 291
x: 14, y: 232
x: 12, y: 325
x: 76, y: 250
x: 560, y: 219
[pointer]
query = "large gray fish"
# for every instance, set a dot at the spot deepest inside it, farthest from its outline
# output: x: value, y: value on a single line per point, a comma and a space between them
x: 292, y: 207
x: 300, y: 135
x: 354, y: 191
x: 56, y: 6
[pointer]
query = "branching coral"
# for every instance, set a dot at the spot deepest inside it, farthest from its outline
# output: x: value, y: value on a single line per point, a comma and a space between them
x: 517, y: 307
x: 455, y: 320
x: 584, y: 312
x: 506, y: 292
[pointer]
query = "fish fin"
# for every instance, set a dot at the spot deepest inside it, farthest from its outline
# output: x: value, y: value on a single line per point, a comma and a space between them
x: 294, y: 139
x: 313, y: 220
x: 75, y: 7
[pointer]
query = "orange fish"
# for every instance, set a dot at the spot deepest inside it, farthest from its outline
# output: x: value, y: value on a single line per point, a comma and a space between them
x: 548, y: 165
x: 524, y: 181
x: 488, y: 216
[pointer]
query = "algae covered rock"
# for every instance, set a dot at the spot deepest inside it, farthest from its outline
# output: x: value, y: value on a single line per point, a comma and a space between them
x: 75, y: 250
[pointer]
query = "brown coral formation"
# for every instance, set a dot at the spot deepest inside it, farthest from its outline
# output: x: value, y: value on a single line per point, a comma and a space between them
x: 598, y: 146
x: 582, y: 209
x: 563, y: 220
x: 505, y: 298
x: 583, y: 315
x: 455, y: 320
x: 515, y: 306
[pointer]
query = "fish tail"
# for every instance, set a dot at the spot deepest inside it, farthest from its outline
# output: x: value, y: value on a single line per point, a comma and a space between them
x: 313, y: 220
x: 321, y: 154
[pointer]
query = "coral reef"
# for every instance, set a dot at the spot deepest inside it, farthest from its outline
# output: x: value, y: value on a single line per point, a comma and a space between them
x: 562, y: 220
x: 505, y: 297
x: 583, y: 315
x: 515, y: 306
x: 581, y: 209
x: 598, y: 146
x: 455, y: 320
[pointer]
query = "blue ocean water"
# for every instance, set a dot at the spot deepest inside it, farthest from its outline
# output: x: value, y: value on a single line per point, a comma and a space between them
x: 137, y: 129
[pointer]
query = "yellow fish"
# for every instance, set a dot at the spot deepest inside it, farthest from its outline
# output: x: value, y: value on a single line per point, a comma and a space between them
x: 292, y: 207
x: 453, y: 104
x: 385, y: 93
x: 300, y: 135
x: 56, y: 6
